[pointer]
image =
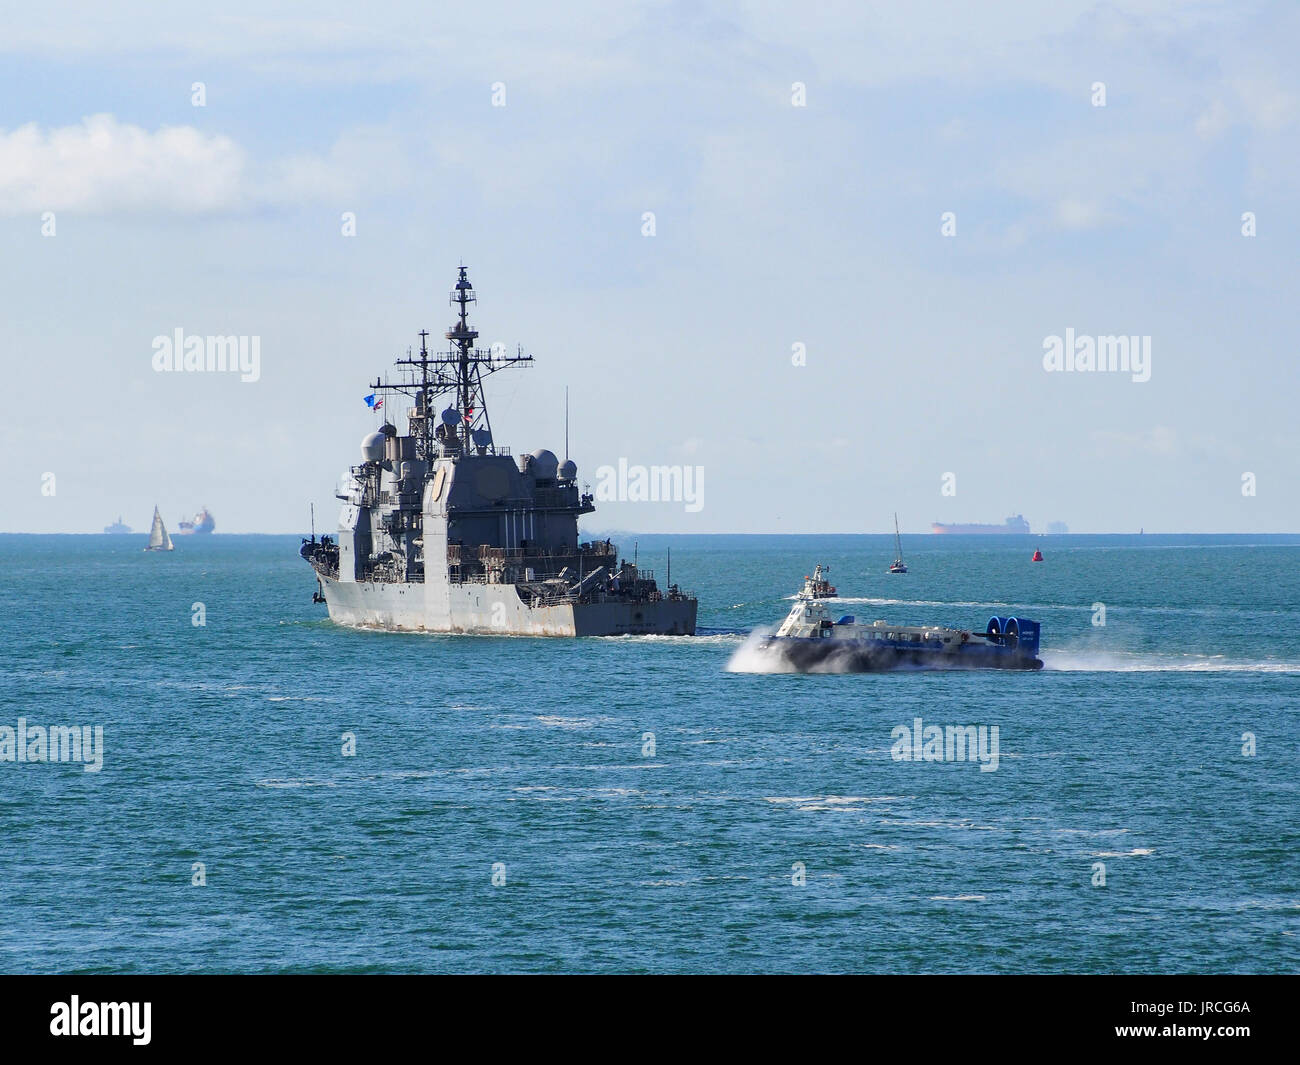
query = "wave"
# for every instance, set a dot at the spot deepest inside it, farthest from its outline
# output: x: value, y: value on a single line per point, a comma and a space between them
x: 714, y: 637
x: 1083, y: 608
x: 556, y: 721
x: 882, y: 601
x: 1121, y: 662
x: 751, y: 657
x: 833, y: 799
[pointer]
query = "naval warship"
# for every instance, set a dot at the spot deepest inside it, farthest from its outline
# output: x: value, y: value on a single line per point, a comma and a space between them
x: 442, y: 530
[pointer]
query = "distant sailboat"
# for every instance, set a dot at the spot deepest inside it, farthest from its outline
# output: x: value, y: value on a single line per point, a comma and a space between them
x: 159, y: 540
x: 899, y: 566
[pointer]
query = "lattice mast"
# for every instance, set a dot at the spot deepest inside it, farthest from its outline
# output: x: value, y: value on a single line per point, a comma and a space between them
x: 459, y: 373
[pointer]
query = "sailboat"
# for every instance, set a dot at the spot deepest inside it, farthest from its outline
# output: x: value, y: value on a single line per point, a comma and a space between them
x: 899, y: 566
x: 159, y: 540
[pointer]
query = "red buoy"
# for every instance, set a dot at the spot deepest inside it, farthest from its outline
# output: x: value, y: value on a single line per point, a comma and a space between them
x: 1038, y: 556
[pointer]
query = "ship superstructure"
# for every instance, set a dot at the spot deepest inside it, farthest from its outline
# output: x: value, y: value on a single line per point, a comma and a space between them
x: 818, y: 586
x: 443, y: 530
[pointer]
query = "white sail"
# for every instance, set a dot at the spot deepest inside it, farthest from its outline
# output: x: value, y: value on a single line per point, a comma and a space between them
x: 898, y: 566
x: 159, y: 539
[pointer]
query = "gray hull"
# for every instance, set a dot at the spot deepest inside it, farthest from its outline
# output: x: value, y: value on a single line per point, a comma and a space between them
x: 497, y: 610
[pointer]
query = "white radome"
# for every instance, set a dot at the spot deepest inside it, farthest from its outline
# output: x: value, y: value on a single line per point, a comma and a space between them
x: 544, y: 464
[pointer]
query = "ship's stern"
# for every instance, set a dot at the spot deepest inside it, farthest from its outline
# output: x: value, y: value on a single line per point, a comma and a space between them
x: 663, y: 617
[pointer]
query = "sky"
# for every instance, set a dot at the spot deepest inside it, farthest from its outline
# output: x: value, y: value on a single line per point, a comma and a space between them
x: 868, y: 222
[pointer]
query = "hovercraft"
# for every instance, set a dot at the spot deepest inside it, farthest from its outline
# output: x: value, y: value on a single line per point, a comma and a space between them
x: 809, y: 639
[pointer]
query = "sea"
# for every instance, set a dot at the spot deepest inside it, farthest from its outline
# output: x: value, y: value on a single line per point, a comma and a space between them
x: 276, y: 793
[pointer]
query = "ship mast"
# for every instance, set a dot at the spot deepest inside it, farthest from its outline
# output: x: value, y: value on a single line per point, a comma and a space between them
x: 459, y: 372
x: 462, y: 335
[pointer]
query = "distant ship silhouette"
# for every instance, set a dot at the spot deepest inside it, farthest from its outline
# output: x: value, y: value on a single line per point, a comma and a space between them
x: 203, y: 523
x: 1015, y: 525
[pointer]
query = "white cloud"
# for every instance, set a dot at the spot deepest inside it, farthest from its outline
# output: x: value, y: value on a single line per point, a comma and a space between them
x: 1079, y: 214
x: 362, y: 162
x: 102, y: 166
x: 1214, y: 121
x: 1268, y: 105
x: 1095, y: 179
x: 1159, y: 440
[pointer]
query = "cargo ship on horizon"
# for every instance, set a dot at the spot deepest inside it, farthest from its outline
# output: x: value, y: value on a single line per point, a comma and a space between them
x: 203, y: 523
x: 1013, y: 526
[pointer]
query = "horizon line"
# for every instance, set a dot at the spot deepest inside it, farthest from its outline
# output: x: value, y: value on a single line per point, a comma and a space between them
x: 631, y: 532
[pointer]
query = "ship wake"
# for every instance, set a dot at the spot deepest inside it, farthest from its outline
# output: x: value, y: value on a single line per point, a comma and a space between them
x: 1121, y: 662
x: 754, y: 656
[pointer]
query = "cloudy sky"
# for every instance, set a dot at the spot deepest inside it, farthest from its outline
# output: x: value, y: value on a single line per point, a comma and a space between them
x: 782, y: 217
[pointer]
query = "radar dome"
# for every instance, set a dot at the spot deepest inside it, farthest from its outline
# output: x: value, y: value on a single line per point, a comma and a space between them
x: 451, y: 416
x: 372, y: 447
x: 568, y: 470
x: 544, y: 464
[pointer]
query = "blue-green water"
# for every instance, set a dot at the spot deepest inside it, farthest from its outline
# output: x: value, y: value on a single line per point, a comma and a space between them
x: 223, y: 746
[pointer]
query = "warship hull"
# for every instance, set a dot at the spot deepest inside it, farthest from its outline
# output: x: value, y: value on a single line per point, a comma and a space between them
x: 496, y: 610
